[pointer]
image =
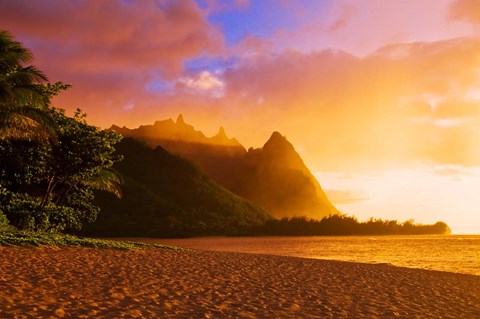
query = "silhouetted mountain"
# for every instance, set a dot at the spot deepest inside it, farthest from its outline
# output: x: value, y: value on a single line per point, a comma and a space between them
x: 168, y: 130
x: 278, y: 180
x: 273, y: 176
x: 165, y: 195
x: 182, y: 139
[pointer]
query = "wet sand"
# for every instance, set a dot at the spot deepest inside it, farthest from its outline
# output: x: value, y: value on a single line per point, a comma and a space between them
x: 106, y: 283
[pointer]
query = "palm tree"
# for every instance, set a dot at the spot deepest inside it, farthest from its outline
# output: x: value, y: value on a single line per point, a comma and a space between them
x: 107, y: 180
x: 23, y: 101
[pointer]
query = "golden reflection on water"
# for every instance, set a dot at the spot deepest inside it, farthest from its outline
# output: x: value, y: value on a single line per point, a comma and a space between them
x: 454, y: 253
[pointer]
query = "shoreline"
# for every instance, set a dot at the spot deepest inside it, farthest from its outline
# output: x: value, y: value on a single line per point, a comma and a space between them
x: 275, y: 245
x: 159, y: 283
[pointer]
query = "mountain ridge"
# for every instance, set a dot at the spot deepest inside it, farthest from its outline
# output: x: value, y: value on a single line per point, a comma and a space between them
x: 177, y: 130
x: 273, y: 176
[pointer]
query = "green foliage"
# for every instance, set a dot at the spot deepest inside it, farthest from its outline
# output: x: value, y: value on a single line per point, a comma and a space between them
x: 165, y: 195
x: 25, y: 212
x: 50, y: 184
x: 339, y: 224
x: 13, y: 237
x: 22, y: 205
x: 3, y: 221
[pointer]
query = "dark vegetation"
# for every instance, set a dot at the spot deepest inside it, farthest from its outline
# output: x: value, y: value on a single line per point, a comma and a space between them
x: 49, y: 185
x: 343, y: 225
x: 165, y: 195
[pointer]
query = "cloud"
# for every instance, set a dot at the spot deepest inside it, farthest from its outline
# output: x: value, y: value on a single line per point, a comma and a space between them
x: 104, y: 36
x: 362, y: 27
x: 468, y: 10
x: 227, y: 5
x: 362, y: 112
x: 402, y: 105
x: 250, y: 45
x: 345, y: 14
x: 203, y: 82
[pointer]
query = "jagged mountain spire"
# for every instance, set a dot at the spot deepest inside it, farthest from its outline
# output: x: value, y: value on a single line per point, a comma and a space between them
x: 221, y: 132
x: 180, y: 119
x: 179, y: 130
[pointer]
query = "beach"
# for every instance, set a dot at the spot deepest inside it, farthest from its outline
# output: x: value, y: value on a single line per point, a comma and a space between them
x: 53, y: 282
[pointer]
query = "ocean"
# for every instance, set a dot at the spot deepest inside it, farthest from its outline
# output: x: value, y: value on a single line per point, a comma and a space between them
x: 452, y: 253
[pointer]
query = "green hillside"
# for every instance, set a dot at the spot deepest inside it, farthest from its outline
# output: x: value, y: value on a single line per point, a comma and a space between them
x: 165, y: 195
x: 273, y: 176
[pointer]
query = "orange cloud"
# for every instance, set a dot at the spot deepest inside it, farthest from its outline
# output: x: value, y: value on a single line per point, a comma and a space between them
x: 363, y: 112
x: 468, y: 10
x: 403, y: 104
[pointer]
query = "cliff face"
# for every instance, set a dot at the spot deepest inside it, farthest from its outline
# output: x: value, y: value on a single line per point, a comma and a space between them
x: 273, y: 177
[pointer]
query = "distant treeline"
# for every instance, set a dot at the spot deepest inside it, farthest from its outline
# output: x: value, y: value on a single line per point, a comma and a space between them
x: 344, y: 225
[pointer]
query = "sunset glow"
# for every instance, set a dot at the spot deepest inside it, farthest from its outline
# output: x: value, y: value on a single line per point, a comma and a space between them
x: 381, y: 99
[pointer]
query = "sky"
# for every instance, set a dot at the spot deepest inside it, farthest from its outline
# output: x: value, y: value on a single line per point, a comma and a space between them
x: 380, y: 98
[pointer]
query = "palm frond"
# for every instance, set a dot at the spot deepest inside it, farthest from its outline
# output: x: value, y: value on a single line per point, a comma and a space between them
x: 23, y: 102
x: 21, y: 87
x: 107, y: 180
x: 11, y: 51
x: 27, y: 123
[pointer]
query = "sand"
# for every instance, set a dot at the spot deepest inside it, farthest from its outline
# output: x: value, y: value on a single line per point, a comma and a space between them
x: 106, y: 283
